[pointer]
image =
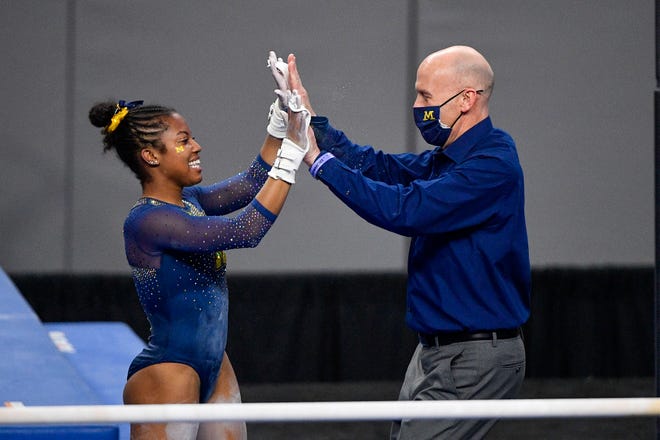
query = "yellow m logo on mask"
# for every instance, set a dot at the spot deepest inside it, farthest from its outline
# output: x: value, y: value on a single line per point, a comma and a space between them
x: 429, y: 115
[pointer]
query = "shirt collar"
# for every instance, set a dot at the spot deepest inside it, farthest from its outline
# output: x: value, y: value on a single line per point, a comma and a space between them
x: 460, y: 148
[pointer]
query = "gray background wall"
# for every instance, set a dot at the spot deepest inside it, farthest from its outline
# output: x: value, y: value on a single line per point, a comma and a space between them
x: 574, y: 83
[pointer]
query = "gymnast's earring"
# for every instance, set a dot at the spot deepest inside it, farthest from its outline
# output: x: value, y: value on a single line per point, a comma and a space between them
x: 149, y: 158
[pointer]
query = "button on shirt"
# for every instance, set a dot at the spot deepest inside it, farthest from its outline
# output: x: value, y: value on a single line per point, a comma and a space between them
x: 463, y: 207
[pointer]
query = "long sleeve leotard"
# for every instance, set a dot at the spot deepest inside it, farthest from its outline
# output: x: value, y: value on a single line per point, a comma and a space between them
x: 178, y: 262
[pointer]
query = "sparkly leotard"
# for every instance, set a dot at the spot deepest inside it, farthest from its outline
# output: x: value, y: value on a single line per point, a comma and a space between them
x: 178, y: 263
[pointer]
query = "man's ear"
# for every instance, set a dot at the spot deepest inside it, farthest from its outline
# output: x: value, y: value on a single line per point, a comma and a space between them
x: 468, y: 99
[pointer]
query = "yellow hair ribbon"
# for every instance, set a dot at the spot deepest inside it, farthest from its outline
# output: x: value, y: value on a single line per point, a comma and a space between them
x: 116, y: 119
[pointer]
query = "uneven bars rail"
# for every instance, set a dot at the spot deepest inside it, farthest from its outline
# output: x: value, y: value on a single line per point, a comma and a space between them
x: 333, y: 411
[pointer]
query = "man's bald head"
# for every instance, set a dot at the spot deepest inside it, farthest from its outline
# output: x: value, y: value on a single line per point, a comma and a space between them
x: 462, y: 65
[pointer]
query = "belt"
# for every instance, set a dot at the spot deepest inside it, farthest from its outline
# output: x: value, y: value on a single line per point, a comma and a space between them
x: 453, y: 337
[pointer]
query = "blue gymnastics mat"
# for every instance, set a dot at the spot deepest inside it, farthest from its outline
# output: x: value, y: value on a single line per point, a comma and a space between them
x: 33, y: 372
x: 101, y: 353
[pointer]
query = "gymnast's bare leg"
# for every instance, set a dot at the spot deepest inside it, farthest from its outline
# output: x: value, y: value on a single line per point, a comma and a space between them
x: 226, y: 391
x: 161, y: 384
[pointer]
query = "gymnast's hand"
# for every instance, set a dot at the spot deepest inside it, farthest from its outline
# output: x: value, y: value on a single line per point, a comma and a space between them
x: 278, y: 118
x: 280, y: 71
x: 299, y: 119
x: 295, y: 144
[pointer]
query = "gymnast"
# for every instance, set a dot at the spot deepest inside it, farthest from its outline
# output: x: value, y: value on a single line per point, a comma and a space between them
x: 176, y: 236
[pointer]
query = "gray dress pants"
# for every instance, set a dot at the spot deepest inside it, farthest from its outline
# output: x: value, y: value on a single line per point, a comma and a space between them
x: 492, y: 369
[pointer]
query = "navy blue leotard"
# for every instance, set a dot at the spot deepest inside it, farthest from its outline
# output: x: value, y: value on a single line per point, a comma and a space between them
x: 178, y: 263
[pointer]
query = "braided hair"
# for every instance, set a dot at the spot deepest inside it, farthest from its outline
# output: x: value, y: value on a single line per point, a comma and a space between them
x: 129, y: 128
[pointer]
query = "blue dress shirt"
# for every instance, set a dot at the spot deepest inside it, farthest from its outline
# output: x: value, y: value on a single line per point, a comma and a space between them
x: 463, y: 207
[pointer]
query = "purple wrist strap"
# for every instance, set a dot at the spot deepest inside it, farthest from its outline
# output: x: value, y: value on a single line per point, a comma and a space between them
x: 318, y: 163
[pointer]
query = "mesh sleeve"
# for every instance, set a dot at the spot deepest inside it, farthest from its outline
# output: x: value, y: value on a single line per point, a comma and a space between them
x: 233, y: 193
x: 152, y: 230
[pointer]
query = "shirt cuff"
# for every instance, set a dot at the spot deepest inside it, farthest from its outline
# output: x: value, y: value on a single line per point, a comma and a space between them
x: 318, y: 163
x: 319, y: 121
